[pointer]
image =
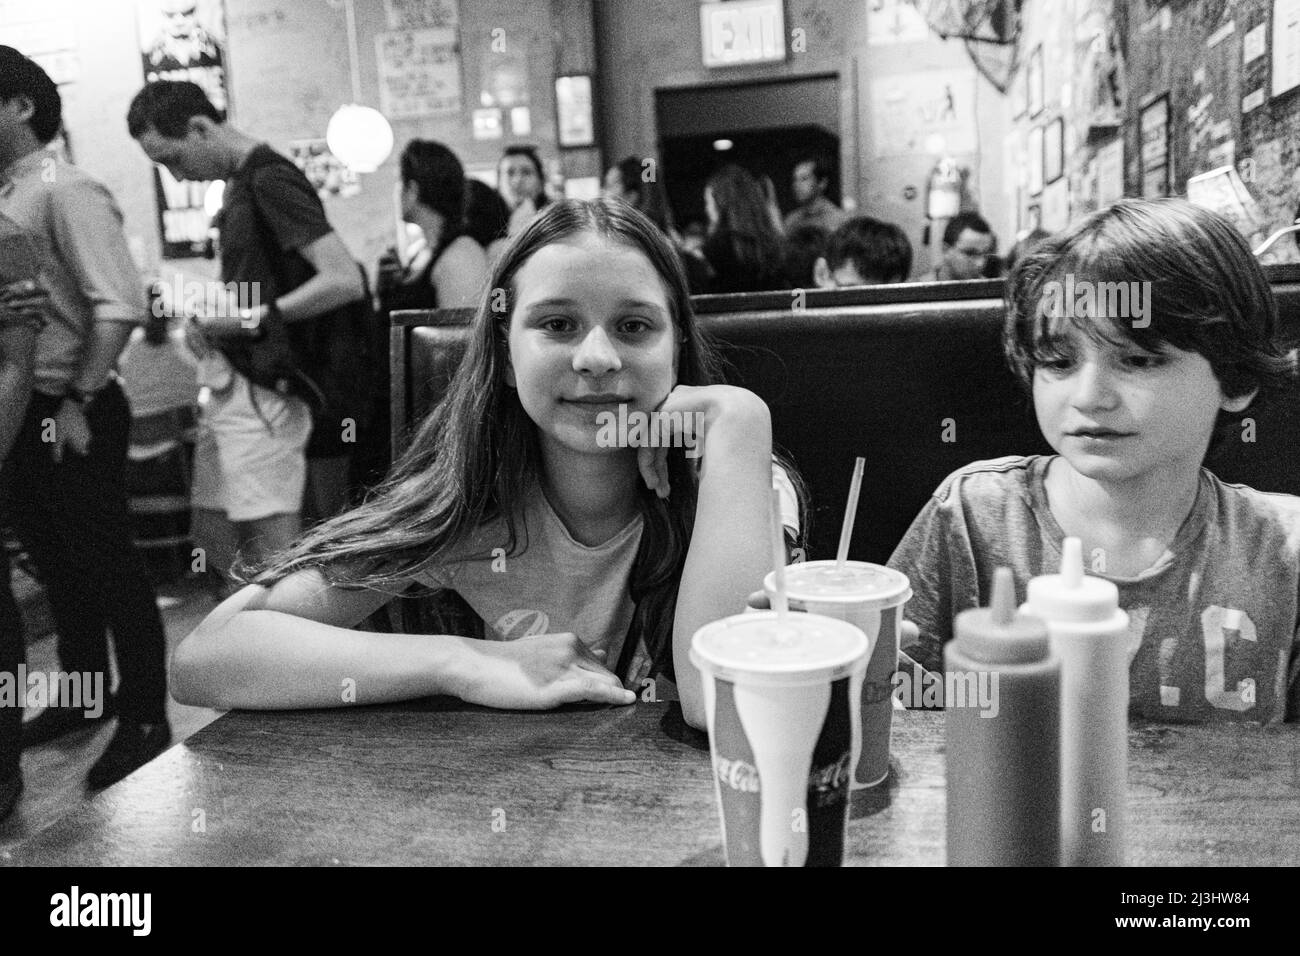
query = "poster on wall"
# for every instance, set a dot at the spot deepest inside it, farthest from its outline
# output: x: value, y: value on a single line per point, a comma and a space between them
x: 1286, y: 45
x: 420, y: 14
x: 1153, y: 125
x: 419, y: 73
x: 1223, y: 191
x: 1110, y: 173
x: 925, y: 112
x: 894, y: 21
x: 326, y: 172
x: 573, y: 110
x: 183, y: 40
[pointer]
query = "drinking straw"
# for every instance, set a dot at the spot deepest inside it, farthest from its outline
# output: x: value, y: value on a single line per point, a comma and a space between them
x: 779, y: 601
x: 850, y: 512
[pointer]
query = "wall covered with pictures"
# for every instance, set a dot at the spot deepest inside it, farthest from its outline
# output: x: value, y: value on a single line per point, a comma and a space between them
x: 1196, y: 98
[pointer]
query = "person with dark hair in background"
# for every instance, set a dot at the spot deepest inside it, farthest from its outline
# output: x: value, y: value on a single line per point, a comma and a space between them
x: 865, y: 251
x: 66, y: 498
x: 257, y: 445
x: 630, y: 182
x: 448, y: 271
x: 969, y: 248
x: 804, y: 248
x: 487, y: 218
x: 743, y: 248
x: 633, y: 181
x: 811, y: 179
x: 521, y: 180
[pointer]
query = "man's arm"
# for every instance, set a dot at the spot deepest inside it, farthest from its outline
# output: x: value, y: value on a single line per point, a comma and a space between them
x: 336, y: 283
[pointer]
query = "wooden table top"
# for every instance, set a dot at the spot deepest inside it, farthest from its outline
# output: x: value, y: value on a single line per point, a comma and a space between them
x: 441, y: 782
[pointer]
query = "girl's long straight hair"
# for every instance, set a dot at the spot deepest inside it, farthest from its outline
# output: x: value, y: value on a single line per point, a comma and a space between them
x: 476, y: 456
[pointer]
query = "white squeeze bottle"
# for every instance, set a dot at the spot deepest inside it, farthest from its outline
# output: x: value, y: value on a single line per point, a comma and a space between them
x: 1089, y: 634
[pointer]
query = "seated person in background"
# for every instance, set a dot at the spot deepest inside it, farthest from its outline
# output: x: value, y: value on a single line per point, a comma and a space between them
x: 1130, y: 394
x: 743, y: 249
x: 448, y: 271
x: 968, y: 247
x: 864, y: 251
x: 634, y: 181
x: 521, y: 178
x: 487, y: 218
x: 804, y: 248
x: 811, y: 178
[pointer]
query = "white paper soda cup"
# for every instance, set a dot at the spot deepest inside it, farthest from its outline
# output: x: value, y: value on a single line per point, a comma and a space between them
x: 871, y: 597
x: 778, y: 695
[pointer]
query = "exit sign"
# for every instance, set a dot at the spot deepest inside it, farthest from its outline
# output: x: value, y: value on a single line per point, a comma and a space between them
x: 742, y: 31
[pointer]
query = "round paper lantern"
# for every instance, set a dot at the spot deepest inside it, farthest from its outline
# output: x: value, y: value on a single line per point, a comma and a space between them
x: 214, y: 197
x: 360, y: 137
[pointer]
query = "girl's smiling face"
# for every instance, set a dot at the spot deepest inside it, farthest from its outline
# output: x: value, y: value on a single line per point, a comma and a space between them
x: 591, y: 329
x: 1116, y: 412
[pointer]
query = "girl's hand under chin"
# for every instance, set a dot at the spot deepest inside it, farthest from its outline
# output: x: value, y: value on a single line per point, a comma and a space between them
x: 728, y: 411
x: 536, y: 673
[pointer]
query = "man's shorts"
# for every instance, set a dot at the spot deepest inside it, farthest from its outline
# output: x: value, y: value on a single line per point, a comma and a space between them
x: 249, y: 457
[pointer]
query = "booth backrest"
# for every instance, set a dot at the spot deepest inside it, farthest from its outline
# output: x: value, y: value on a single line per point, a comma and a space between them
x: 911, y: 377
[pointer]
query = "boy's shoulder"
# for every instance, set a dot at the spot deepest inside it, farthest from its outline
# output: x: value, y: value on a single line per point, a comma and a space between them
x: 991, y: 480
x: 1244, y: 505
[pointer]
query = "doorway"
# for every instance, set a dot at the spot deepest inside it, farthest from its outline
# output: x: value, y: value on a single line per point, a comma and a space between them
x: 769, y: 124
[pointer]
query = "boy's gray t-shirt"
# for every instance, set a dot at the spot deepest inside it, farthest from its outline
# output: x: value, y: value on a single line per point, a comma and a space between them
x: 1212, y: 624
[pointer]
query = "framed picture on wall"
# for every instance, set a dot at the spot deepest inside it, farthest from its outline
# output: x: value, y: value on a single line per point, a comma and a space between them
x: 1053, y: 150
x: 1034, y: 155
x: 1034, y: 79
x: 1153, y: 124
x: 1020, y: 92
x: 573, y: 110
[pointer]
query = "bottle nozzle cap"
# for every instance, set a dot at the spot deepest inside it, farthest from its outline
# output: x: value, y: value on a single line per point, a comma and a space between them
x: 1072, y: 595
x: 1003, y: 603
x: 997, y: 634
x: 1072, y: 563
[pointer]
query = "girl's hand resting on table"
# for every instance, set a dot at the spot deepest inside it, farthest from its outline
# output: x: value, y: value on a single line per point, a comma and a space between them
x: 537, y: 673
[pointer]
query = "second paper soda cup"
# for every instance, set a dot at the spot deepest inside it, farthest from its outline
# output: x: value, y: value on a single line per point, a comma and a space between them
x: 871, y: 597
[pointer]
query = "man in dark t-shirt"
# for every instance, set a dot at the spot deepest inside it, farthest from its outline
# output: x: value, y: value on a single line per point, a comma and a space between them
x: 282, y: 262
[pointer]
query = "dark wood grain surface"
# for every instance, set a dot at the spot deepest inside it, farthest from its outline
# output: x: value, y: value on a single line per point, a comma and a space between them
x: 438, y: 782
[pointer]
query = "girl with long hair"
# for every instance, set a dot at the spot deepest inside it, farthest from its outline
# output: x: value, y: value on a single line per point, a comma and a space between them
x: 603, y: 552
x: 744, y: 248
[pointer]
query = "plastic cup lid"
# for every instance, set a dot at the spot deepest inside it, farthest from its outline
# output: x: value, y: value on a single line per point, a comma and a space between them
x: 858, y: 582
x: 765, y: 648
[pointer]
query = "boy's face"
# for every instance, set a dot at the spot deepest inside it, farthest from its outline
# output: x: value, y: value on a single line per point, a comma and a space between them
x: 1117, y: 413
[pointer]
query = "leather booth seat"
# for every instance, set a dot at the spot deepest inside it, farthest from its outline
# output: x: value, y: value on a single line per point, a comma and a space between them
x: 910, y: 376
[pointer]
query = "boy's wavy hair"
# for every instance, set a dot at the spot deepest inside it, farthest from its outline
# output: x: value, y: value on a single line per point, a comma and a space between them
x: 1207, y: 295
x: 476, y: 456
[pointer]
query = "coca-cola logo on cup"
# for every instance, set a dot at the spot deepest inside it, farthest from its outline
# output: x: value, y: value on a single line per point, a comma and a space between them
x: 736, y: 774
x: 832, y: 776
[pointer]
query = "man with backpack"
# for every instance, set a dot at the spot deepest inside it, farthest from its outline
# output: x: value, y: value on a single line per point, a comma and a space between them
x: 271, y: 350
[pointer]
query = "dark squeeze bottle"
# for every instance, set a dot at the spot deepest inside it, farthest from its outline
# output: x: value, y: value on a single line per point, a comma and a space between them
x: 1001, y: 723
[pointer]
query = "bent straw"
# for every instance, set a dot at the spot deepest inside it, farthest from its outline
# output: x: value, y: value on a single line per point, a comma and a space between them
x: 779, y: 601
x: 850, y: 512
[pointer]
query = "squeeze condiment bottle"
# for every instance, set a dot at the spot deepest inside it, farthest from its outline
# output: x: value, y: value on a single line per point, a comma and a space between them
x: 1001, y: 746
x: 1089, y: 634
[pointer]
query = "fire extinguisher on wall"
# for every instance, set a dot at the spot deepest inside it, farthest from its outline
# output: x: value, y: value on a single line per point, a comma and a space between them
x: 947, y: 193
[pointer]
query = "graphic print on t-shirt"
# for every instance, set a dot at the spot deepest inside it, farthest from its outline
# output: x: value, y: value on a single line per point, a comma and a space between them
x: 521, y: 623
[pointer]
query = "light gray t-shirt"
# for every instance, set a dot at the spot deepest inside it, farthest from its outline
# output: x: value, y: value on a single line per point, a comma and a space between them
x: 1212, y: 624
x: 557, y: 584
